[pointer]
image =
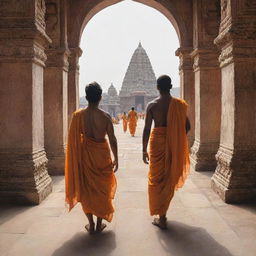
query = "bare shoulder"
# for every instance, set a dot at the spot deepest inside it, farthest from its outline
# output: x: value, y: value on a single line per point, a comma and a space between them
x: 105, y: 115
x: 152, y: 104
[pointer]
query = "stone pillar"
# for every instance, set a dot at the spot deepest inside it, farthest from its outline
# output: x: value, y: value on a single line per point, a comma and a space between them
x: 187, y: 87
x: 207, y: 110
x: 55, y: 109
x: 235, y: 176
x: 207, y: 85
x: 73, y: 81
x: 23, y: 174
x: 55, y: 86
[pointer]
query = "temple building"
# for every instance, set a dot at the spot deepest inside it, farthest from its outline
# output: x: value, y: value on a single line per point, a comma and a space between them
x: 138, y: 87
x: 139, y: 84
x: 110, y: 101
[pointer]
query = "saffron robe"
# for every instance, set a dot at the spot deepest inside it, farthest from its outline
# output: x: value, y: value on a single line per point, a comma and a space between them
x: 125, y: 121
x: 132, y: 117
x: 169, y: 158
x: 89, y: 175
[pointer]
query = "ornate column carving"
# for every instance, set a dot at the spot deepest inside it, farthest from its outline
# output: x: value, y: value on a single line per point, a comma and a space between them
x: 207, y: 109
x: 55, y: 87
x: 55, y: 109
x: 207, y: 85
x: 73, y: 81
x: 187, y: 87
x: 235, y: 176
x: 23, y: 174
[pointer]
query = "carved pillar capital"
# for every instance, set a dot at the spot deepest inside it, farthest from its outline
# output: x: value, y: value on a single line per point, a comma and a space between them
x: 23, y: 37
x: 185, y: 58
x: 204, y: 59
x: 237, y: 36
x: 58, y: 58
x: 75, y: 53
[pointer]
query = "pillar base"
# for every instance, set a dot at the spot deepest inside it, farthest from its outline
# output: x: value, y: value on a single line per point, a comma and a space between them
x: 56, y: 162
x: 24, y: 178
x: 202, y: 157
x: 235, y: 177
x: 232, y: 195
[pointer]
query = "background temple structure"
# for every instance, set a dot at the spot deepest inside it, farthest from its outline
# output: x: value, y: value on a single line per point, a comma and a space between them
x: 39, y: 74
x: 139, y: 84
x: 110, y: 101
x: 138, y: 87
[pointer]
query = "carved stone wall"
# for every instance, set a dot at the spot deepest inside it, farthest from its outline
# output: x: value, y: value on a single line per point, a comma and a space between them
x: 187, y: 86
x: 73, y: 81
x: 235, y: 176
x: 56, y: 86
x: 207, y: 86
x: 23, y: 173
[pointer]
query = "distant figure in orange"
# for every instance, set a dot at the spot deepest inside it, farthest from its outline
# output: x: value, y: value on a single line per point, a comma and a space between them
x: 115, y: 120
x: 132, y: 120
x: 125, y: 121
x: 168, y: 149
x: 89, y: 169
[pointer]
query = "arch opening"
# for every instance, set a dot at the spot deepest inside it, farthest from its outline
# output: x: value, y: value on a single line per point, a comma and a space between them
x: 119, y: 48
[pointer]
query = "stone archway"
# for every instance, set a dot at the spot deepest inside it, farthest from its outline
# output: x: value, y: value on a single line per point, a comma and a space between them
x: 66, y: 41
x: 177, y: 12
x: 39, y: 88
x: 198, y: 62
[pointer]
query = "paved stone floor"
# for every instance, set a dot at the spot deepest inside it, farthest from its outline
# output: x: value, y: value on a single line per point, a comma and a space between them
x: 200, y: 224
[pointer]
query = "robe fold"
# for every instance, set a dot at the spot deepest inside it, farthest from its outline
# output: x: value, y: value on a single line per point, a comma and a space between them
x: 89, y: 175
x: 132, y: 122
x: 125, y: 121
x: 169, y: 158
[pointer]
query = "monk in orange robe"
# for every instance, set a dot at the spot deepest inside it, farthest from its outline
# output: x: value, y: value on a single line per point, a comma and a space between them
x: 168, y: 149
x: 89, y: 169
x: 132, y: 120
x: 125, y: 122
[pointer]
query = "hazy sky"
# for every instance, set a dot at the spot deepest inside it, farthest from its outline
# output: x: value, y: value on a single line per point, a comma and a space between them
x: 112, y: 35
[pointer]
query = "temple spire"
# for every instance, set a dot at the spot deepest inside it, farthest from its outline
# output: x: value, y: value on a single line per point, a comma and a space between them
x: 139, y: 75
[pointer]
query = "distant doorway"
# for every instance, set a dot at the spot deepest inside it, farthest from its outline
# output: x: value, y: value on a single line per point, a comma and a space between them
x: 139, y: 103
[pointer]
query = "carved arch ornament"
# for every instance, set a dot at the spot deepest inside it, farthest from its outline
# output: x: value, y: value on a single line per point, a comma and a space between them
x: 167, y: 8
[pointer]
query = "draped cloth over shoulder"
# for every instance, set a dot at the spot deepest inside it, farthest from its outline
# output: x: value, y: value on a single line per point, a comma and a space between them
x: 169, y: 158
x: 89, y: 174
x: 132, y: 122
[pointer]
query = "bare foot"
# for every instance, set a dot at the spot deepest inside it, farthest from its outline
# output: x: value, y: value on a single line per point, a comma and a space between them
x: 160, y: 222
x: 90, y: 228
x: 100, y: 227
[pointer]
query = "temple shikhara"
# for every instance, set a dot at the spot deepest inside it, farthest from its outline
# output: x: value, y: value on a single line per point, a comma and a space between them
x: 138, y: 87
x: 139, y: 84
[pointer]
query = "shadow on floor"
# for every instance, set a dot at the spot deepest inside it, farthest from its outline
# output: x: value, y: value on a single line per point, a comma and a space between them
x: 180, y: 239
x: 9, y: 211
x: 84, y: 244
